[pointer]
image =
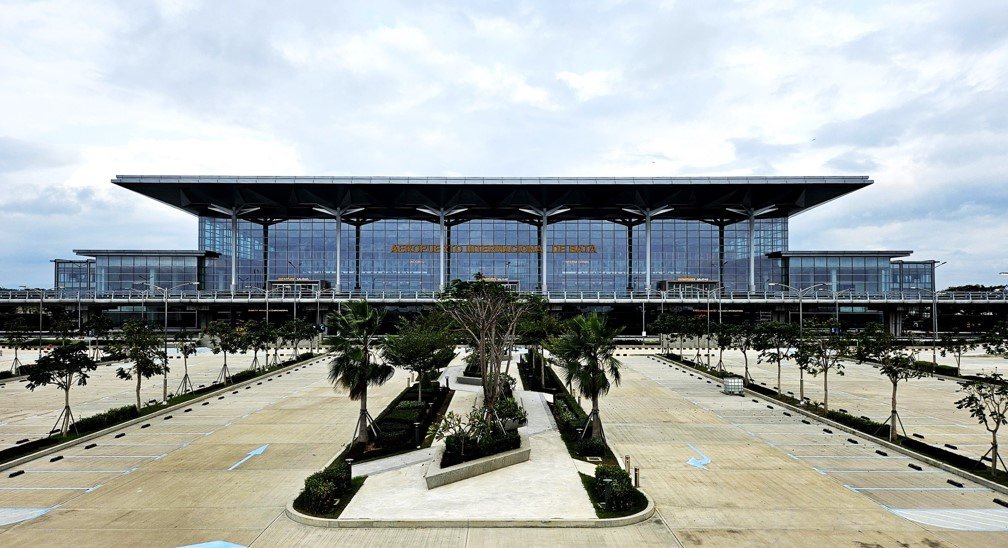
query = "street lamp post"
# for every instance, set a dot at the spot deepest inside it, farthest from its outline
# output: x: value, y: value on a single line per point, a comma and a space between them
x: 164, y: 332
x: 836, y: 302
x: 708, y: 292
x: 801, y: 295
x: 934, y: 318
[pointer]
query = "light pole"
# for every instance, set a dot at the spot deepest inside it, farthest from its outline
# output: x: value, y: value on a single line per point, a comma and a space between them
x: 164, y: 333
x: 801, y: 294
x: 934, y: 317
x: 40, y: 301
x: 708, y: 292
x: 836, y: 301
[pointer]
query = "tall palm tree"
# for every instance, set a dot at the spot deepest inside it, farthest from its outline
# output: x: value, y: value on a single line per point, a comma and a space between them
x: 355, y: 365
x: 586, y: 352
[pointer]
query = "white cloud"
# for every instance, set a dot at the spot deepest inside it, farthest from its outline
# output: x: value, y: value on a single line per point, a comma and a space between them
x: 913, y: 93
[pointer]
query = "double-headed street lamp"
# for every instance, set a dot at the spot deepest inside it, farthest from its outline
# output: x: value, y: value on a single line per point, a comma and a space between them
x: 934, y: 317
x: 801, y: 294
x: 164, y: 333
x: 709, y: 292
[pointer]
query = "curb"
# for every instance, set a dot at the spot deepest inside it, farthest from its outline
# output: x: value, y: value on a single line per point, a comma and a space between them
x: 87, y: 437
x: 559, y: 523
x: 884, y: 443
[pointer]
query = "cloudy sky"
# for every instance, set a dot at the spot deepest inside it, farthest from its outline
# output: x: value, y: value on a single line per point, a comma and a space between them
x: 913, y: 94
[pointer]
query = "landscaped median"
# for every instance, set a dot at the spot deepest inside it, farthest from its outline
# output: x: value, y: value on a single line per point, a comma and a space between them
x: 117, y: 418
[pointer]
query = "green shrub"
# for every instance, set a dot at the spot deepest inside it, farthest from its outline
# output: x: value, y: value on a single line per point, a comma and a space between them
x: 244, y: 375
x: 322, y: 490
x: 106, y: 419
x: 412, y: 404
x: 622, y: 494
x: 461, y: 448
x: 509, y: 409
x: 591, y: 447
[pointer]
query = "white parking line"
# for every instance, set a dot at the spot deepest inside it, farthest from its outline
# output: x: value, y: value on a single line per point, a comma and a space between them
x: 981, y: 519
x: 852, y: 488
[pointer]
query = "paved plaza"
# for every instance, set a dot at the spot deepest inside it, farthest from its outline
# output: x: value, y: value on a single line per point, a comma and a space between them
x: 771, y: 479
x: 29, y: 415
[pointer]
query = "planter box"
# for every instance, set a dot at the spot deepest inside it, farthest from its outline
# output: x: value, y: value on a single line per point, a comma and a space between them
x: 437, y: 476
x: 473, y: 381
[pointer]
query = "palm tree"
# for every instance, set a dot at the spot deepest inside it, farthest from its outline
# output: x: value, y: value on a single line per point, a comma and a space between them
x: 355, y: 365
x: 586, y: 352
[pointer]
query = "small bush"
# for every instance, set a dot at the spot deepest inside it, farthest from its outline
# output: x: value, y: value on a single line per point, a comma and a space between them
x: 591, y: 447
x: 461, y: 448
x: 622, y: 494
x: 322, y: 490
x: 508, y: 409
x: 109, y: 418
x: 244, y: 375
x: 412, y: 404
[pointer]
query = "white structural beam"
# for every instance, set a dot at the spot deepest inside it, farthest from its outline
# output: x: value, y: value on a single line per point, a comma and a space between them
x: 338, y: 213
x: 544, y: 215
x: 648, y: 214
x: 752, y: 214
x: 442, y: 214
x: 234, y: 213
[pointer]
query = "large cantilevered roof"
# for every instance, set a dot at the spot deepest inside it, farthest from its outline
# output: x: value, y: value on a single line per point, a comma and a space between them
x: 300, y: 197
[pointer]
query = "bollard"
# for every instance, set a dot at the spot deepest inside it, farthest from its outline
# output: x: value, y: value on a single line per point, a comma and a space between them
x: 636, y: 476
x: 608, y: 489
x: 446, y: 384
x: 349, y: 468
x: 416, y: 434
x: 626, y: 463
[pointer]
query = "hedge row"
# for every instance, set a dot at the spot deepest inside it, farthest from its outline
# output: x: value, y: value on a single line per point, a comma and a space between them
x: 460, y: 448
x: 623, y: 497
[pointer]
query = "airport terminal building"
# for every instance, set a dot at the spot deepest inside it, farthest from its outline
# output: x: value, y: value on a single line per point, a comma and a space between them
x: 286, y: 245
x: 543, y: 235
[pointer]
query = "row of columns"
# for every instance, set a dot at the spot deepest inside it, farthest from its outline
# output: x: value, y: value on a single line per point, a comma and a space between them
x: 542, y: 214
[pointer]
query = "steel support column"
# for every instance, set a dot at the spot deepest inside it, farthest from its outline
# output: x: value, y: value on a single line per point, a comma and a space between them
x: 338, y: 213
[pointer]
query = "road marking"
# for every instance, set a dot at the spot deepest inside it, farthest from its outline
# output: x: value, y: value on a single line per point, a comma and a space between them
x: 258, y: 451
x: 17, y: 515
x: 843, y: 457
x: 981, y: 519
x: 852, y: 488
x: 702, y: 462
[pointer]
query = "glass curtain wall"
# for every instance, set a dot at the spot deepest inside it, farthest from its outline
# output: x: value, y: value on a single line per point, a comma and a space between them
x: 125, y: 272
x: 74, y: 275
x: 402, y: 255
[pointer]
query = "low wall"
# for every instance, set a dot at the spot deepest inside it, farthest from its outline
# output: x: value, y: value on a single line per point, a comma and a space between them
x: 473, y: 381
x: 437, y: 476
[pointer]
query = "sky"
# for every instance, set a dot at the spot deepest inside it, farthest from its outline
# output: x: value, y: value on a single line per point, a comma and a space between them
x: 912, y: 94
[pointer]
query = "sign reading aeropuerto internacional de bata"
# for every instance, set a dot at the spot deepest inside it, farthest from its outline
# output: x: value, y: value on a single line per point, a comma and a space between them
x: 492, y: 248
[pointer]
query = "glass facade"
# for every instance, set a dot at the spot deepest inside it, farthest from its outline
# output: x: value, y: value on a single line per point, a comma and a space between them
x: 126, y: 272
x: 862, y: 273
x: 74, y: 275
x: 402, y: 255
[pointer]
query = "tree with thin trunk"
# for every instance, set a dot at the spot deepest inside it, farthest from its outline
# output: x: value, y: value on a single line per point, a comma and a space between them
x: 186, y: 344
x: 535, y: 328
x: 99, y: 326
x: 64, y: 367
x: 876, y: 345
x: 486, y: 315
x: 986, y: 400
x: 724, y: 335
x: 224, y: 339
x: 586, y: 351
x: 356, y: 363
x: 956, y: 344
x: 140, y: 344
x: 422, y: 345
x: 742, y: 338
x: 257, y: 338
x: 822, y: 350
x: 17, y: 337
x: 774, y: 342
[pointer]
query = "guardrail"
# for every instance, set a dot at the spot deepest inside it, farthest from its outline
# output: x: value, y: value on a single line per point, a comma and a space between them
x: 332, y: 296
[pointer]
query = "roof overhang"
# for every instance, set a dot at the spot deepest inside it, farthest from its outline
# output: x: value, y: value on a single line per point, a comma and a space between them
x: 146, y: 252
x: 890, y: 254
x: 490, y: 197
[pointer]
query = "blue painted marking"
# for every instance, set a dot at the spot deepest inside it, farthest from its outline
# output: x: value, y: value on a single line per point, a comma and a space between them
x: 702, y: 462
x: 250, y: 454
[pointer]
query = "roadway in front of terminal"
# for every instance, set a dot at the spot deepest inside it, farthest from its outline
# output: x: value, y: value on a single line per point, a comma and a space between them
x: 770, y: 479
